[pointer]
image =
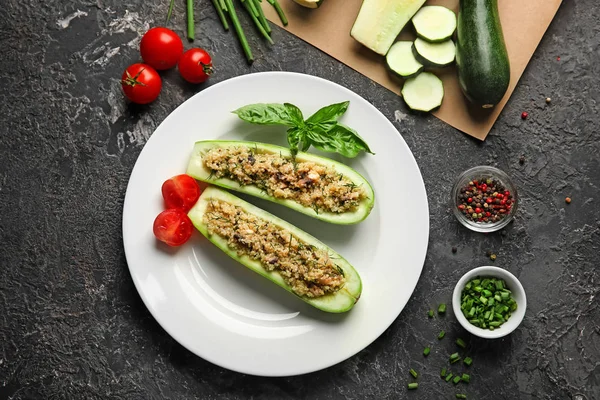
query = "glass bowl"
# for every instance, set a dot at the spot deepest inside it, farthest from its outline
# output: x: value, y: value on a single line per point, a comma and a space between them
x: 494, y: 209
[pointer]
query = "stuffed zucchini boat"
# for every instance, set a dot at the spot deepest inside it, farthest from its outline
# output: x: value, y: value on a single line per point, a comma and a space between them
x: 313, y: 185
x: 277, y: 250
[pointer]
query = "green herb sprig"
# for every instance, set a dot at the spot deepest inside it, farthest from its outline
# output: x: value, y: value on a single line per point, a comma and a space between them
x: 321, y: 130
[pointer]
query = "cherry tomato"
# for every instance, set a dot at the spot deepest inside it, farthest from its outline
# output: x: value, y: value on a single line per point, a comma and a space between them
x: 181, y: 191
x: 141, y: 83
x: 195, y: 65
x: 173, y: 227
x: 161, y: 48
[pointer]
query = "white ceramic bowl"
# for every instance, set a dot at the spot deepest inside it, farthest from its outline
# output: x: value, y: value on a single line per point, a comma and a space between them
x: 512, y: 283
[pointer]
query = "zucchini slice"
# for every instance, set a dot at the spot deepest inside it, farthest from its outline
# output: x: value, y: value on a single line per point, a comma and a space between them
x: 401, y: 60
x: 380, y: 21
x: 434, y: 54
x: 339, y: 301
x: 435, y: 23
x: 364, y: 204
x: 309, y: 3
x: 423, y: 92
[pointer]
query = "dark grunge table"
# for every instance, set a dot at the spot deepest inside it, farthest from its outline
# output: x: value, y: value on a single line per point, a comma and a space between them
x: 72, y: 325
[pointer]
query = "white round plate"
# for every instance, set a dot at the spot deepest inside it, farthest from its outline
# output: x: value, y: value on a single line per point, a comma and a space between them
x: 233, y: 317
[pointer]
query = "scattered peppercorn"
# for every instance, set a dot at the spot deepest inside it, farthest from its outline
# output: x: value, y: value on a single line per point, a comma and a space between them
x: 568, y: 200
x: 524, y: 115
x: 454, y: 249
x: 558, y: 58
x: 484, y: 200
x: 493, y: 257
x: 488, y: 253
x: 522, y: 160
x: 548, y: 100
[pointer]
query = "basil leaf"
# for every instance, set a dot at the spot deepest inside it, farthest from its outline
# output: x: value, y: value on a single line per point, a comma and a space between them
x: 295, y: 114
x: 265, y: 114
x: 329, y: 113
x: 305, y: 144
x: 294, y: 136
x: 339, y: 139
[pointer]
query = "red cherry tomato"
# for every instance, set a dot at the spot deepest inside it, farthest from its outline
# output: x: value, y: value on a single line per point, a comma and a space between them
x: 141, y: 83
x: 195, y: 65
x: 173, y: 227
x: 161, y: 48
x: 181, y: 191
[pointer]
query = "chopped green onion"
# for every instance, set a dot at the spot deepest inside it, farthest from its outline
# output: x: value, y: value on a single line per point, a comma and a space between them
x: 170, y: 11
x: 441, y: 335
x: 221, y: 14
x: 454, y: 358
x: 413, y: 373
x: 190, y: 19
x: 468, y: 361
x: 430, y: 313
x: 277, y: 7
x: 442, y: 308
x: 261, y: 16
x: 487, y: 303
x: 426, y: 351
x: 448, y: 377
x: 413, y: 385
x: 461, y: 343
x: 461, y: 396
x: 248, y: 4
x: 239, y: 31
x: 456, y: 379
x: 443, y: 373
x: 466, y: 378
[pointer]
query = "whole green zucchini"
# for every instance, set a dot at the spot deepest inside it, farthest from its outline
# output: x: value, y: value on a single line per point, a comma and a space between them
x: 197, y: 168
x: 481, y: 56
x: 202, y: 214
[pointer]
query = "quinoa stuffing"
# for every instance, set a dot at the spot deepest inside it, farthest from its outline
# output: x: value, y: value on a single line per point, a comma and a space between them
x: 310, y: 184
x: 308, y: 270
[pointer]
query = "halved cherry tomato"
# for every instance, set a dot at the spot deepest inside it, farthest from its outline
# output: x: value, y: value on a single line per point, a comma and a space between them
x: 173, y: 227
x: 181, y: 191
x: 161, y: 48
x: 195, y: 65
x: 141, y: 83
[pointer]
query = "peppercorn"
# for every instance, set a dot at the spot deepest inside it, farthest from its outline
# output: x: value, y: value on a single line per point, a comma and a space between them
x: 484, y: 200
x: 522, y: 160
x: 568, y: 200
x: 548, y: 100
x: 454, y: 250
x: 493, y: 257
x: 524, y: 115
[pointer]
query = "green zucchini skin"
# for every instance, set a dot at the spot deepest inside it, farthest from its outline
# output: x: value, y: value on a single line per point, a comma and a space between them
x: 197, y: 170
x: 341, y: 301
x: 481, y: 56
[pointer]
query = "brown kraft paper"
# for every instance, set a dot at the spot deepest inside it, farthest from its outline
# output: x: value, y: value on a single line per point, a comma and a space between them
x: 328, y: 28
